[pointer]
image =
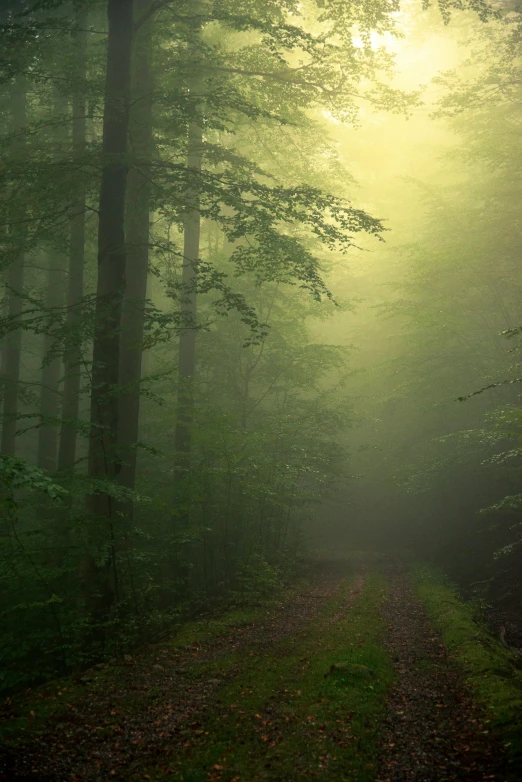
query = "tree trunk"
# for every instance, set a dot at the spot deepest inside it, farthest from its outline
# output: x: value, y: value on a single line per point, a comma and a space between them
x: 187, y: 340
x: 137, y: 222
x: 73, y: 352
x: 100, y: 573
x: 15, y: 285
x: 51, y: 371
x: 51, y: 367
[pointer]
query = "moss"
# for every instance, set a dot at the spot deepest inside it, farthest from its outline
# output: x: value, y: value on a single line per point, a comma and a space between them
x: 279, y: 715
x: 28, y: 713
x: 489, y: 667
x: 273, y: 714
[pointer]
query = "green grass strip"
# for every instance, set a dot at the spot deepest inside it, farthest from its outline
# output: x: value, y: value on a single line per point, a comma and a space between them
x: 278, y: 717
x: 490, y: 668
x: 33, y: 709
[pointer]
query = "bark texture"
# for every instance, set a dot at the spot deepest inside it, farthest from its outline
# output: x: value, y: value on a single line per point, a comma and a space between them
x: 15, y: 285
x: 50, y: 400
x: 73, y: 352
x: 99, y: 575
x: 137, y: 236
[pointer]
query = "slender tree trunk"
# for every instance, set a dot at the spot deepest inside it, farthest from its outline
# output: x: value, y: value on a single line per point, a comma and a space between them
x: 137, y: 222
x: 52, y: 367
x: 73, y: 352
x: 51, y: 371
x: 187, y: 340
x: 15, y: 285
x: 100, y: 572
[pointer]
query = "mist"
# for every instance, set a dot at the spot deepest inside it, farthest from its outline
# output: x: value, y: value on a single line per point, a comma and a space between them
x: 260, y: 387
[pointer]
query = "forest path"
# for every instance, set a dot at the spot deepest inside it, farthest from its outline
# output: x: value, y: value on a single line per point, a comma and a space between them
x: 433, y: 730
x: 246, y: 698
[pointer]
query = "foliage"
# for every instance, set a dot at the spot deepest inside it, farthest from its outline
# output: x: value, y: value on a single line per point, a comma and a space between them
x: 232, y: 519
x: 16, y: 474
x: 269, y: 409
x: 448, y: 406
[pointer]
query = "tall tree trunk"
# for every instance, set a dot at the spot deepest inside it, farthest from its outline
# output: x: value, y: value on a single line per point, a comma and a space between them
x: 73, y: 352
x: 137, y: 236
x: 100, y: 572
x: 15, y: 285
x: 51, y: 371
x: 51, y: 367
x: 187, y: 340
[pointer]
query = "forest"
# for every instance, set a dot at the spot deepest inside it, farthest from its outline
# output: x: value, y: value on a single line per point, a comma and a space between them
x: 260, y: 367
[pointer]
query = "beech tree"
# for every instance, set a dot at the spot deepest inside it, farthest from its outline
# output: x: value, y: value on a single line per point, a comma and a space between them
x: 184, y: 184
x: 138, y: 209
x: 75, y: 286
x: 15, y: 285
x: 99, y: 569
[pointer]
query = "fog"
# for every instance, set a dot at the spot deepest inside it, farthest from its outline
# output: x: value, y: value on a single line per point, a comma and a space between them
x: 261, y: 267
x: 430, y: 308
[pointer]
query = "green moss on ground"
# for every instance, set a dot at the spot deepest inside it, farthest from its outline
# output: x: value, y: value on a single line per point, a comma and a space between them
x: 273, y: 714
x: 491, y: 669
x: 279, y: 717
x: 28, y: 713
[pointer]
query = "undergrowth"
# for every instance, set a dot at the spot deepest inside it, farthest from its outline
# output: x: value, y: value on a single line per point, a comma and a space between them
x: 274, y: 711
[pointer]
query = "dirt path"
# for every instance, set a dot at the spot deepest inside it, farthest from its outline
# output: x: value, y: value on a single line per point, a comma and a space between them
x: 156, y: 700
x: 433, y: 732
x: 252, y: 702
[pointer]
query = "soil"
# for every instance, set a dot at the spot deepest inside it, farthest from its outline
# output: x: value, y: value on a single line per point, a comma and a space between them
x: 432, y: 731
x: 118, y: 729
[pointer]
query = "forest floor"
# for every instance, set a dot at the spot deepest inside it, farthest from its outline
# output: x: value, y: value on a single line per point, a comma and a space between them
x: 369, y: 671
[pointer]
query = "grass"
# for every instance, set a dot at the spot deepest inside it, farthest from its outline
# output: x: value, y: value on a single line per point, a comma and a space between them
x: 278, y: 717
x: 32, y: 709
x: 274, y: 715
x: 29, y: 712
x: 490, y: 668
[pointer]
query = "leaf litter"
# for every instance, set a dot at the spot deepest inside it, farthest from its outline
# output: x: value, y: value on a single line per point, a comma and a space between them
x: 434, y: 731
x: 141, y: 712
x: 155, y: 712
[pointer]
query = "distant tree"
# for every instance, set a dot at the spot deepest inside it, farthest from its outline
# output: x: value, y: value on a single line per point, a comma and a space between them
x: 50, y: 396
x: 15, y: 285
x: 75, y: 284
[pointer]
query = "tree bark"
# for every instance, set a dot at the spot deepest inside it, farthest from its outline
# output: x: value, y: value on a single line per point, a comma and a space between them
x: 73, y: 351
x: 103, y: 461
x: 100, y: 571
x: 51, y: 371
x: 15, y: 285
x: 187, y: 339
x: 138, y: 225
x: 52, y: 367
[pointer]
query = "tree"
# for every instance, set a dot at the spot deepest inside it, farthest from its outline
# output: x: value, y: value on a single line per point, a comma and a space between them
x: 50, y: 397
x: 138, y: 208
x: 191, y: 239
x: 15, y: 286
x: 73, y: 346
x: 104, y: 463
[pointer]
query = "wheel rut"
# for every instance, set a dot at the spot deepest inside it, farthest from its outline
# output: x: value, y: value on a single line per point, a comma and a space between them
x: 433, y: 730
x: 118, y: 728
